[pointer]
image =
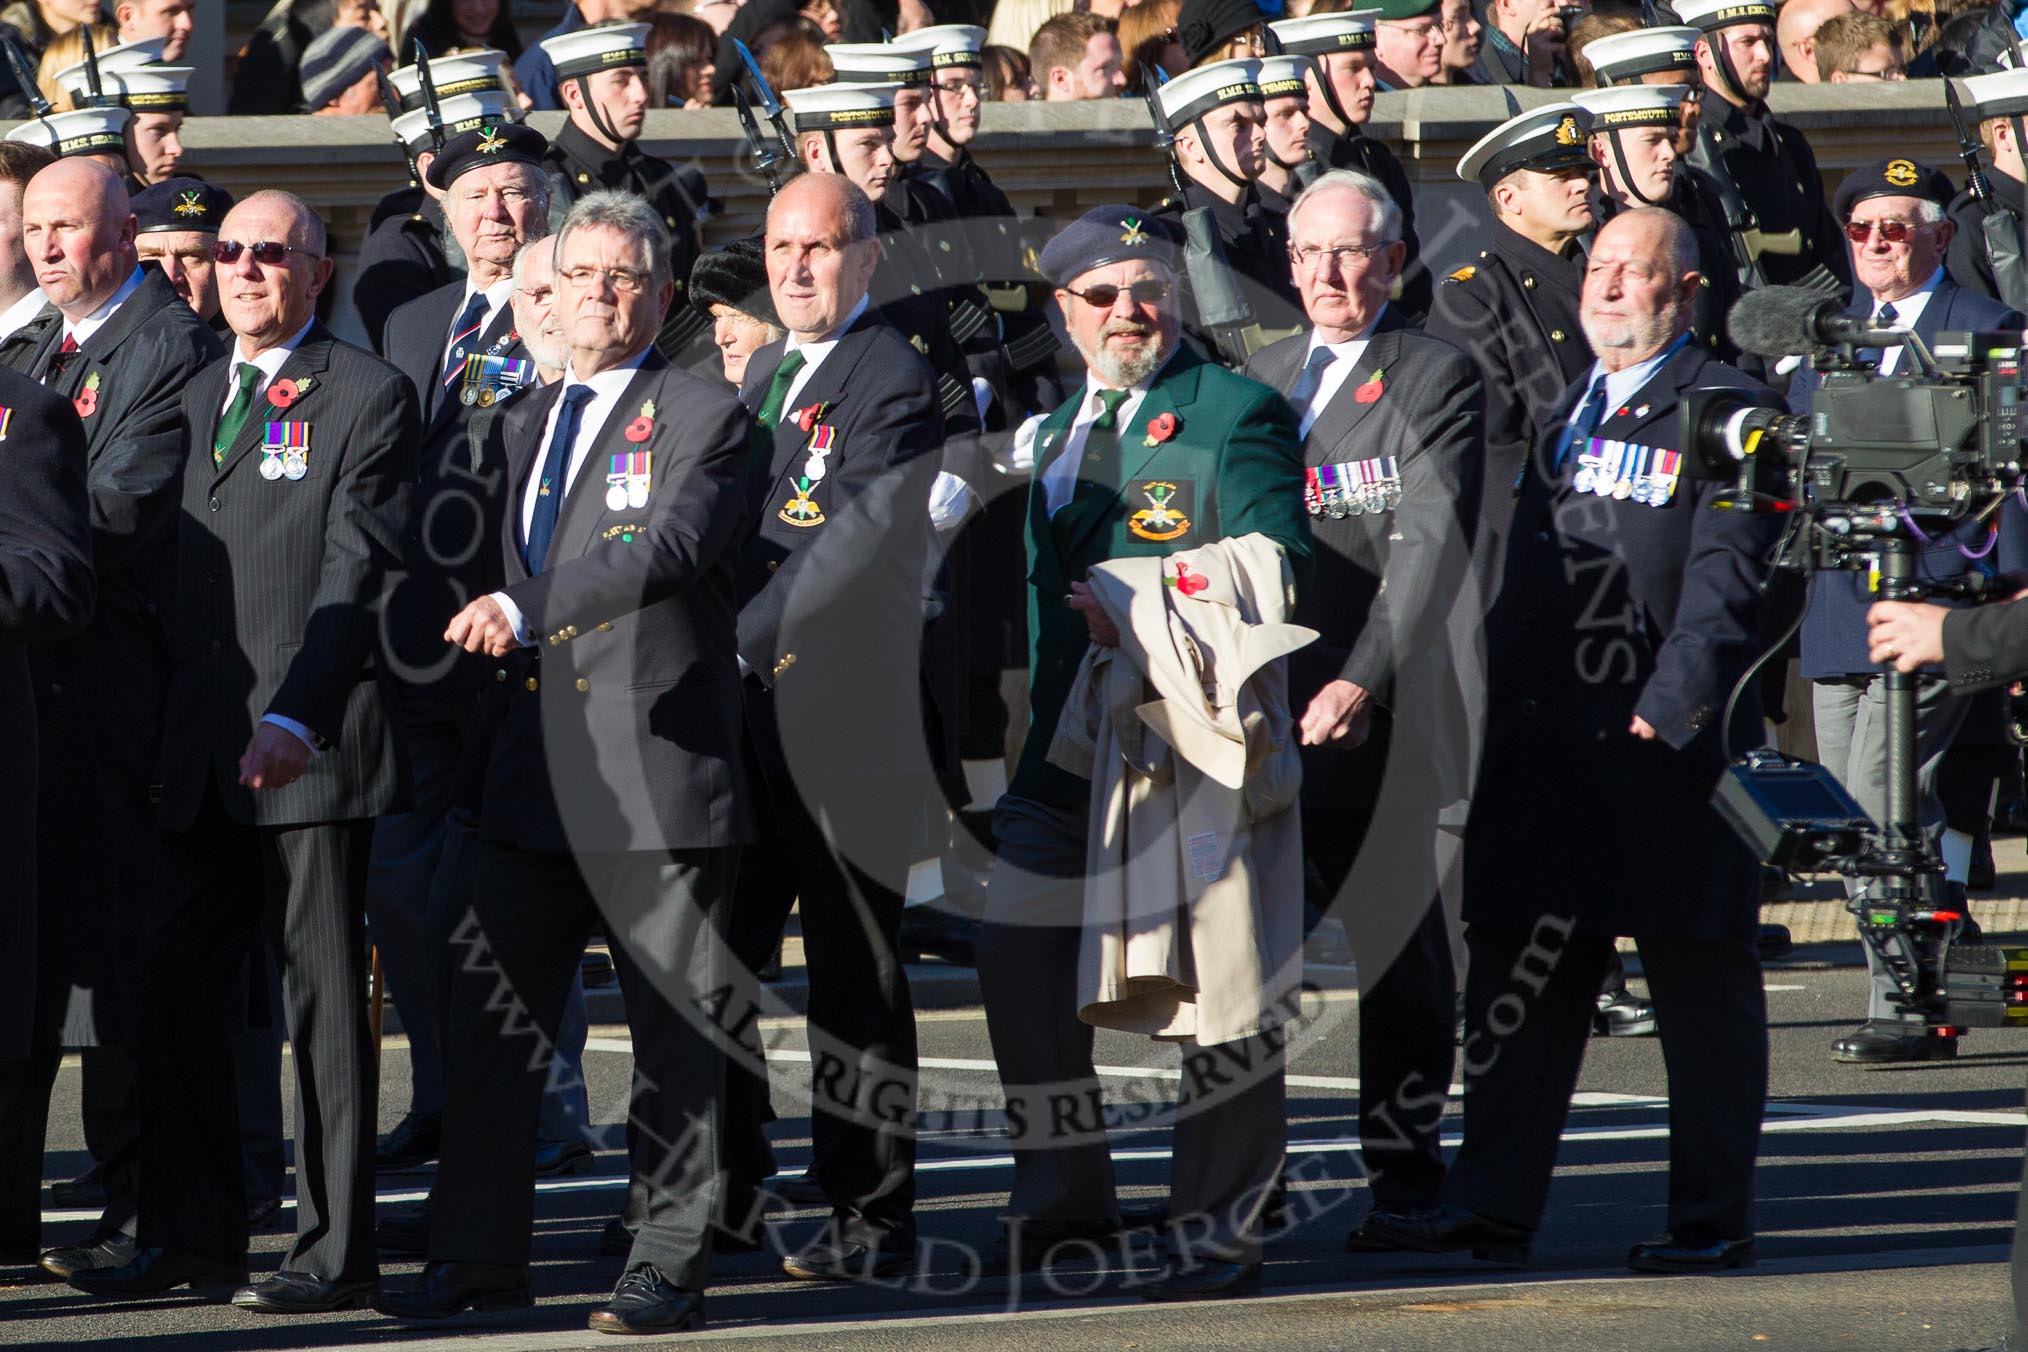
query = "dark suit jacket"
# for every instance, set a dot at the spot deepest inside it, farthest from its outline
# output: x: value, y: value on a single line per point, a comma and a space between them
x: 414, y: 344
x: 623, y: 727
x: 46, y: 588
x: 1834, y: 626
x: 403, y: 257
x: 831, y: 613
x: 276, y: 582
x: 1986, y: 646
x: 1611, y: 609
x: 1384, y: 582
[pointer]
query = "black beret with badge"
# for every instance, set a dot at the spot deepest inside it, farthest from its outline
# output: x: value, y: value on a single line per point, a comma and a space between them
x: 1109, y: 234
x: 181, y: 204
x: 482, y: 146
x: 1899, y: 176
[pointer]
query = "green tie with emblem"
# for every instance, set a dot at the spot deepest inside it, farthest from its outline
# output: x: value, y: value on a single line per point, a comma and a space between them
x: 235, y: 416
x: 1098, y: 470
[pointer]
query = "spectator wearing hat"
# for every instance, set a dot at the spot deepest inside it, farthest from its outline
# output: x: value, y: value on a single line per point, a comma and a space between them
x: 1154, y: 428
x: 1997, y: 270
x: 602, y: 75
x: 341, y: 70
x: 1409, y: 43
x: 175, y: 223
x: 1526, y: 43
x: 1076, y: 56
x: 730, y: 284
x: 1220, y: 30
x: 1893, y: 210
x: 170, y: 20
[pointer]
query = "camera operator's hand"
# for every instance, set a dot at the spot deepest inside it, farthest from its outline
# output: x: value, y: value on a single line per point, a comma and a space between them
x: 1544, y: 43
x: 1908, y: 635
x: 1642, y: 729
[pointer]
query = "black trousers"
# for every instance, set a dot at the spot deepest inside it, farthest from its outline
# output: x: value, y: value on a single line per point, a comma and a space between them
x: 846, y: 872
x: 1529, y: 998
x: 224, y: 886
x: 1407, y: 984
x: 513, y: 956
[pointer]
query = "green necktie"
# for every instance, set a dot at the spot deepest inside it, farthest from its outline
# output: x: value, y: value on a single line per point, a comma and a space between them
x: 1098, y: 471
x: 778, y: 389
x: 235, y: 412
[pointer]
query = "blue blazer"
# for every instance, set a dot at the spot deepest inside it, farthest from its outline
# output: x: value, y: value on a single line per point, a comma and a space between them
x: 1834, y: 626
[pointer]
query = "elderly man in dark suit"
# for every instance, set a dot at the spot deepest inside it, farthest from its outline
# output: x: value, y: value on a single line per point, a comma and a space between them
x: 121, y: 352
x: 1630, y: 608
x: 1393, y: 447
x: 1893, y: 212
x: 277, y: 753
x: 47, y: 587
x: 615, y: 790
x: 830, y: 623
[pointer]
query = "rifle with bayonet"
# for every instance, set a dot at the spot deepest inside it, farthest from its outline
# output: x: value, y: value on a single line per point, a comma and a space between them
x: 766, y: 157
x: 770, y: 105
x: 434, y: 115
x: 24, y: 75
x: 1999, y: 227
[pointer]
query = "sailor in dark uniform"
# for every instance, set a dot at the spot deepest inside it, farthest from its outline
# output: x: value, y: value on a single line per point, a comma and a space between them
x: 158, y: 97
x: 1285, y: 105
x: 1343, y: 79
x: 451, y: 78
x: 1986, y: 251
x: 1769, y: 161
x: 95, y: 133
x: 600, y: 74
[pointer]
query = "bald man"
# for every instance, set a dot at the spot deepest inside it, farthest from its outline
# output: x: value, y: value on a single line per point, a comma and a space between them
x: 122, y: 352
x: 1796, y: 31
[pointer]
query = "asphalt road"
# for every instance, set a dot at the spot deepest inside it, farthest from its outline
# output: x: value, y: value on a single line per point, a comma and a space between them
x: 1886, y: 1206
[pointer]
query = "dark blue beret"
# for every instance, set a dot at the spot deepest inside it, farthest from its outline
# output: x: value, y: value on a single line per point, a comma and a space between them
x: 181, y: 204
x: 501, y: 142
x: 1898, y: 176
x: 1112, y: 234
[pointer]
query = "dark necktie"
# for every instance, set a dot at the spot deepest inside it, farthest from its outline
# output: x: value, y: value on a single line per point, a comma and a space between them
x: 1883, y: 318
x: 778, y: 389
x: 60, y: 359
x: 464, y: 333
x: 235, y: 415
x: 1886, y: 316
x: 1098, y: 470
x: 1311, y: 380
x: 555, y: 466
x: 1585, y: 424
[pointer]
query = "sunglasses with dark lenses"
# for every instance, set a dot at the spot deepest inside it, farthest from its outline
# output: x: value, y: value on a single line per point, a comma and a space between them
x: 1894, y: 232
x: 267, y: 252
x: 1105, y: 297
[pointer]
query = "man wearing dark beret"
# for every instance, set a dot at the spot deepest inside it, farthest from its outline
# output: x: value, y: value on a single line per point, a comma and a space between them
x: 175, y: 223
x: 1158, y: 451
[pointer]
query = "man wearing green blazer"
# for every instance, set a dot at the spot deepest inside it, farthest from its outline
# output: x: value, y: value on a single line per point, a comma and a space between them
x: 1159, y: 451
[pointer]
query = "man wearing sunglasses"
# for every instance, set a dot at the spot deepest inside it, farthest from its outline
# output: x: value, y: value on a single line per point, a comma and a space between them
x: 1159, y: 451
x: 1893, y: 210
x: 277, y: 753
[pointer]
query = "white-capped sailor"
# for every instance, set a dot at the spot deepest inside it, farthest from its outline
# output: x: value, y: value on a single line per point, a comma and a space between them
x: 1645, y: 55
x: 1636, y: 127
x: 579, y: 55
x: 96, y: 132
x: 847, y: 129
x: 1285, y: 127
x: 157, y: 96
x: 1985, y: 253
x: 459, y: 73
x: 908, y: 70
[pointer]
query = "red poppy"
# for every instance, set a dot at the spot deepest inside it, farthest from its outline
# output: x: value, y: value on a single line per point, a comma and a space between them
x: 283, y: 393
x: 86, y: 403
x: 1187, y: 582
x: 640, y: 429
x: 1161, y: 429
x: 1368, y: 392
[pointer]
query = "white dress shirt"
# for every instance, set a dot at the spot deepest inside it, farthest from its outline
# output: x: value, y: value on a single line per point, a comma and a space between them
x: 814, y: 354
x: 1059, y: 476
x: 1622, y: 385
x: 21, y: 311
x: 499, y: 294
x: 1906, y: 311
x: 96, y: 320
x: 1345, y: 356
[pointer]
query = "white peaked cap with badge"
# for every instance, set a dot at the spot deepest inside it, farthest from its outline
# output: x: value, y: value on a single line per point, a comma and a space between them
x: 1196, y: 92
x: 1545, y: 139
x: 839, y: 106
x: 1644, y: 51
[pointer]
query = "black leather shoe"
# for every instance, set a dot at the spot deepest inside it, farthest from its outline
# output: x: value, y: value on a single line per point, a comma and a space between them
x: 617, y: 1239
x: 557, y: 1159
x: 88, y: 1189
x: 1667, y: 1255
x: 644, y: 1302
x: 1775, y: 941
x: 157, y: 1272
x: 404, y: 1232
x: 106, y: 1249
x: 1880, y: 1042
x: 301, y: 1293
x: 1623, y: 1014
x: 1205, y: 1281
x: 412, y: 1144
x: 454, y: 1288
x: 933, y: 931
x: 1365, y: 1238
x: 828, y: 1260
x: 1451, y: 1229
x: 1024, y: 1245
x: 798, y: 1189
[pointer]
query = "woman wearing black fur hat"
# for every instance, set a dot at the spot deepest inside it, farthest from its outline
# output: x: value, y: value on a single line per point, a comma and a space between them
x: 730, y: 284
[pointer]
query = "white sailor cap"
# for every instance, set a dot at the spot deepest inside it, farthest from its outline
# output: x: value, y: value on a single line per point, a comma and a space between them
x: 145, y: 89
x: 1196, y: 92
x: 839, y: 107
x: 459, y: 112
x: 949, y: 44
x: 878, y: 63
x: 2004, y: 93
x: 1633, y: 106
x: 1708, y: 16
x: 587, y: 51
x: 1544, y: 139
x: 459, y: 73
x: 128, y: 55
x: 85, y: 131
x: 1281, y: 77
x: 1621, y: 57
x: 1321, y: 34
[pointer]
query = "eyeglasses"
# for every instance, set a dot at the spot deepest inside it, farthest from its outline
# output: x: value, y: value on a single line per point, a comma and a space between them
x: 1893, y: 73
x: 962, y: 86
x: 1415, y: 32
x: 624, y: 280
x: 1148, y: 292
x: 1894, y: 232
x: 267, y: 252
x: 1313, y: 255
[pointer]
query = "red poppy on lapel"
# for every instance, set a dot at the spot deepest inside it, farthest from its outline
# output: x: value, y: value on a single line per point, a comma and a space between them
x: 1160, y: 429
x: 642, y: 427
x: 285, y: 392
x: 1190, y: 583
x: 806, y: 418
x: 1371, y: 390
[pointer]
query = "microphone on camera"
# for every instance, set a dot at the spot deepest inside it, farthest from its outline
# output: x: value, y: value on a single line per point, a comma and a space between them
x: 1777, y: 321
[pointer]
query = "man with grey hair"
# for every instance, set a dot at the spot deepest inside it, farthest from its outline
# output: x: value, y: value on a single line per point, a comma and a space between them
x: 615, y: 788
x: 1629, y: 609
x: 1392, y: 423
